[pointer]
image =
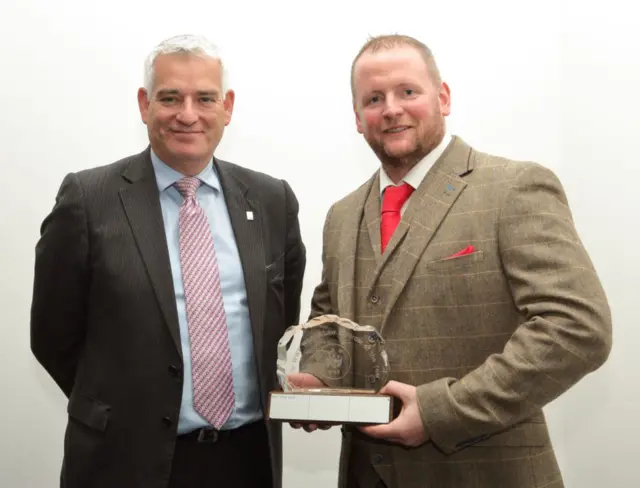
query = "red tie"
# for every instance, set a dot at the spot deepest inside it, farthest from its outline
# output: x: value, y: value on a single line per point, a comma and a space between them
x: 393, y: 200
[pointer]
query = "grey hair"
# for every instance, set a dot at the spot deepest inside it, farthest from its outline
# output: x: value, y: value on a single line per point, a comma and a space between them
x: 188, y: 44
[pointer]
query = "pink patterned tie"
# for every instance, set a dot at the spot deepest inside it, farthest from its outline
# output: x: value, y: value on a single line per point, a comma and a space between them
x: 213, y: 396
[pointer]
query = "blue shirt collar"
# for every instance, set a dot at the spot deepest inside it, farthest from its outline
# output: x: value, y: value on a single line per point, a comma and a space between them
x: 167, y: 176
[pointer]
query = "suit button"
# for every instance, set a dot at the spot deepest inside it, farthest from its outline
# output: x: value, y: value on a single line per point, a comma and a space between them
x: 375, y: 299
x: 167, y: 421
x: 377, y: 459
x: 174, y: 370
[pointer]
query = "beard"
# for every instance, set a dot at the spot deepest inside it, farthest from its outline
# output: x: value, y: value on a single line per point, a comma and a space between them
x: 418, y: 150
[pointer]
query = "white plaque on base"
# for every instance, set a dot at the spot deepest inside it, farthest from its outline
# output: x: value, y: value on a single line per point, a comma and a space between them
x: 331, y: 406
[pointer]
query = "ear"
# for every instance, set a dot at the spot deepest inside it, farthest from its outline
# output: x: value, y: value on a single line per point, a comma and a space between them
x: 445, y: 99
x: 358, y: 120
x: 143, y: 104
x: 229, y: 100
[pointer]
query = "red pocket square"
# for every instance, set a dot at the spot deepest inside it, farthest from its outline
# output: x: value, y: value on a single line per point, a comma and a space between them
x: 464, y: 252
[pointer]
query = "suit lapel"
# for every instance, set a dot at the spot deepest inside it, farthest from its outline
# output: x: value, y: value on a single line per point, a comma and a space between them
x: 141, y: 204
x: 372, y: 214
x: 430, y: 204
x: 250, y: 243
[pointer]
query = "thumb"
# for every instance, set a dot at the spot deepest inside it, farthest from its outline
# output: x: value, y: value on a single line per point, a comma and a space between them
x: 397, y: 389
x: 303, y: 380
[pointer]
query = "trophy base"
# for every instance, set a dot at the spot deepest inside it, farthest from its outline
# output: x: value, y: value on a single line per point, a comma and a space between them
x: 331, y: 406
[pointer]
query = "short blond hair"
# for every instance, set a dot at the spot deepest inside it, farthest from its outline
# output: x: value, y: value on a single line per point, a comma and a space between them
x: 390, y: 41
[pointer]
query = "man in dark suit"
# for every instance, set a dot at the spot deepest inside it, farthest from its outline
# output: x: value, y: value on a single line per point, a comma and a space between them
x: 162, y: 284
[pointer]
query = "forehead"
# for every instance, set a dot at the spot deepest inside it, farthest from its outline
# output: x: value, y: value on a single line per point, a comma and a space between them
x: 187, y: 71
x: 401, y: 64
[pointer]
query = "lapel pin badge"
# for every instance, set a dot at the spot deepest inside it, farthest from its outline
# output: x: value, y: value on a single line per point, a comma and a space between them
x: 450, y: 188
x: 249, y: 215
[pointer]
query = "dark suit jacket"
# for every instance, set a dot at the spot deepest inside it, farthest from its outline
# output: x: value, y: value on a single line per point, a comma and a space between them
x: 104, y: 322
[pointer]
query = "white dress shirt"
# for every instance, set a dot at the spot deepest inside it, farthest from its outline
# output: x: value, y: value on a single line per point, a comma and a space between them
x: 418, y: 172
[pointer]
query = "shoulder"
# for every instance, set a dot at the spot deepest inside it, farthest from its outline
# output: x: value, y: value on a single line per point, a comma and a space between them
x: 355, y: 199
x: 494, y: 178
x: 97, y: 176
x: 501, y: 181
x: 489, y: 167
x: 115, y: 167
x: 92, y: 183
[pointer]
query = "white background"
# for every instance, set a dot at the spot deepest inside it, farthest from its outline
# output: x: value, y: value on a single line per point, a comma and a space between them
x: 555, y: 82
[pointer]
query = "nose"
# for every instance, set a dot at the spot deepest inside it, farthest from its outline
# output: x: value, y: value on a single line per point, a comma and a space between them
x: 392, y: 107
x: 187, y: 114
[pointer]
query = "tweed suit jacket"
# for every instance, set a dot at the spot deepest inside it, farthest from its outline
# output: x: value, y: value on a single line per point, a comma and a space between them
x: 488, y: 338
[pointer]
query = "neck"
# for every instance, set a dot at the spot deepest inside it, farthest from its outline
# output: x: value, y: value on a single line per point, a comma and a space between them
x: 188, y: 167
x: 397, y: 172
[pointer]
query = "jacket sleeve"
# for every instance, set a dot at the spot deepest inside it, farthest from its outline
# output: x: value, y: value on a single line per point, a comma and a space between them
x: 61, y: 281
x: 314, y: 339
x: 295, y: 260
x: 566, y: 333
x: 321, y: 299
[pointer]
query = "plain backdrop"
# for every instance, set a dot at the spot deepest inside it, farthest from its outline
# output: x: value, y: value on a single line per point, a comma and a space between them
x: 554, y: 82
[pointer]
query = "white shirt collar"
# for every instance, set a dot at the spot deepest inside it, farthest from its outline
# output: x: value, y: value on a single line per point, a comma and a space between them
x: 415, y: 176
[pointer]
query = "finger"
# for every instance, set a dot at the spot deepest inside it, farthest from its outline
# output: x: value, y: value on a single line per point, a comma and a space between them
x: 396, y: 389
x: 295, y: 379
x: 325, y: 426
x: 301, y: 380
x: 310, y: 427
x: 296, y: 426
x: 380, y: 431
x: 291, y: 379
x: 384, y: 434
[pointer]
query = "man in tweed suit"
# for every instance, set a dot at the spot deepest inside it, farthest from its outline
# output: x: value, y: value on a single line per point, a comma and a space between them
x: 127, y: 316
x: 487, y: 299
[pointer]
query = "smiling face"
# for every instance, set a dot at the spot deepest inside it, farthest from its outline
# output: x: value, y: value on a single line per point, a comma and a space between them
x: 186, y: 112
x: 399, y: 109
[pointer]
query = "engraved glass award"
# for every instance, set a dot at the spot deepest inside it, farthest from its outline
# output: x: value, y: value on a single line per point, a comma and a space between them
x: 348, y: 359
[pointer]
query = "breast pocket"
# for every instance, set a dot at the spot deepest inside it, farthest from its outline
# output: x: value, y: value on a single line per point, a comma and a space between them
x: 275, y: 271
x: 462, y: 263
x: 275, y: 292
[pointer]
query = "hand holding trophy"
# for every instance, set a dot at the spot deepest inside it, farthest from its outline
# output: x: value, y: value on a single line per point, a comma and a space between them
x: 331, y: 371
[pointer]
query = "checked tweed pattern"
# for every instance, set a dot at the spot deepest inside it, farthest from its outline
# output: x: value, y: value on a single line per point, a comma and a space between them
x: 213, y: 396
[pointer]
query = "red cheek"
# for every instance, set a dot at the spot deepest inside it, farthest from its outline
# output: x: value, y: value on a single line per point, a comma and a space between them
x: 372, y: 120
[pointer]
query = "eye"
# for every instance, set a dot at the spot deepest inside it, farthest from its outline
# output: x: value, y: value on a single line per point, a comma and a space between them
x: 373, y: 99
x: 207, y: 100
x: 409, y: 91
x: 168, y: 99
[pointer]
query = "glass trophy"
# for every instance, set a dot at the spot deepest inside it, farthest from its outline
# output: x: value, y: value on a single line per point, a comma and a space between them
x: 351, y: 364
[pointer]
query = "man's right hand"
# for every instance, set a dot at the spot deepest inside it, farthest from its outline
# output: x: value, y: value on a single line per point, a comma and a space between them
x: 306, y: 380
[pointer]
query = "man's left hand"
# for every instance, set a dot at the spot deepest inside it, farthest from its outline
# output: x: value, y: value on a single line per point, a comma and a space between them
x: 407, y: 429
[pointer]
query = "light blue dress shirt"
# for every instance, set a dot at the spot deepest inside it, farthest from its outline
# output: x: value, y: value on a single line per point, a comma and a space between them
x: 245, y: 378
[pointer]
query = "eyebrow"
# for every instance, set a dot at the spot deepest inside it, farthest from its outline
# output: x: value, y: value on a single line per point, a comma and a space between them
x: 177, y: 92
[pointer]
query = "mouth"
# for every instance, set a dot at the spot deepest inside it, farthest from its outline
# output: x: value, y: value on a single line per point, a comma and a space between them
x: 397, y: 129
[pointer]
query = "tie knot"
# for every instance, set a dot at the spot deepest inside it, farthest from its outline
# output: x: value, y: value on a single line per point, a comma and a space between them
x: 395, y: 196
x: 187, y: 186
